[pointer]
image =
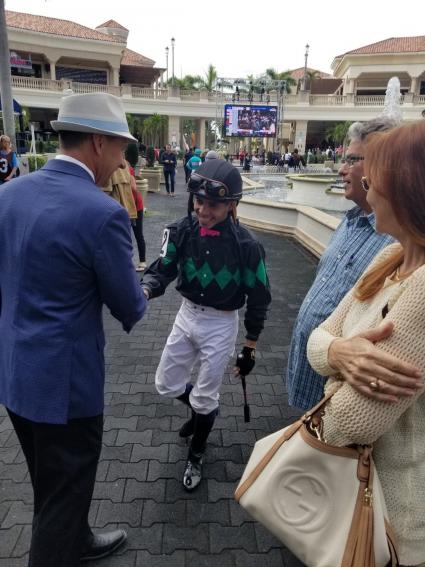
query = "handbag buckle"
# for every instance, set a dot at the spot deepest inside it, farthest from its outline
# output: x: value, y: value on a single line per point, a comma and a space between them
x: 317, y: 430
x: 368, y: 497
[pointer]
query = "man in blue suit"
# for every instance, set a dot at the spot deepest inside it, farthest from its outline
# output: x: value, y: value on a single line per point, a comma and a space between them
x: 65, y: 250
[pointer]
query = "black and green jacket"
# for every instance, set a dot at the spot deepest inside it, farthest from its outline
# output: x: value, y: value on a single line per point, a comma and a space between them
x: 222, y: 271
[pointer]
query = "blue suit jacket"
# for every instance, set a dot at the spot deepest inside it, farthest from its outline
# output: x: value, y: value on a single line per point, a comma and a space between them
x: 65, y: 249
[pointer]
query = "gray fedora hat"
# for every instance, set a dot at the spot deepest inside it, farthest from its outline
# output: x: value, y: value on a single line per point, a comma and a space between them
x: 92, y: 113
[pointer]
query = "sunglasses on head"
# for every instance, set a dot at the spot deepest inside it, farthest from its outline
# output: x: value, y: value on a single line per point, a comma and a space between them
x: 365, y: 184
x: 350, y: 160
x: 210, y: 187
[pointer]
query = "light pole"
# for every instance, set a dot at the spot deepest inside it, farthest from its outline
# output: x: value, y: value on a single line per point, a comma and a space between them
x: 307, y: 47
x: 167, y: 49
x: 172, y: 59
x: 6, y: 81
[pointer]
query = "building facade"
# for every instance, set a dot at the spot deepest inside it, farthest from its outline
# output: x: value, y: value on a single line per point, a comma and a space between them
x: 50, y: 56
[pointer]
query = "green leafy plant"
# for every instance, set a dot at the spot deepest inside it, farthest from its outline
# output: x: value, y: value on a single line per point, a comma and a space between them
x: 150, y: 156
x: 338, y: 132
x: 41, y: 160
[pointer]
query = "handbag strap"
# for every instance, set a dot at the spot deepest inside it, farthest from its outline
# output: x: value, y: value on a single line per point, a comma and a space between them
x: 287, y: 433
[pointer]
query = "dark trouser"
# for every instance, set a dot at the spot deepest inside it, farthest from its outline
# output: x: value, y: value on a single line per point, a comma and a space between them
x: 187, y: 173
x: 169, y: 175
x: 138, y: 235
x: 62, y: 461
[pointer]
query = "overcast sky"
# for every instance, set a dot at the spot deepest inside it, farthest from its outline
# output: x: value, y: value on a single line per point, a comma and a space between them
x: 242, y: 38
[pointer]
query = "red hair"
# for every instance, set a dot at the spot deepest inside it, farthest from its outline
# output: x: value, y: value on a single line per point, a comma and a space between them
x: 395, y: 165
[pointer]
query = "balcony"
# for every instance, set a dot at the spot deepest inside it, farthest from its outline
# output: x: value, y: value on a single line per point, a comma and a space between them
x: 173, y: 101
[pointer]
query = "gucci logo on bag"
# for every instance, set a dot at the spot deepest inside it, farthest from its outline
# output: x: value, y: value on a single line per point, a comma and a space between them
x: 305, y: 502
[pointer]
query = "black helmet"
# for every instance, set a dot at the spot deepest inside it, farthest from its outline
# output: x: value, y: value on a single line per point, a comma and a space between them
x: 216, y: 180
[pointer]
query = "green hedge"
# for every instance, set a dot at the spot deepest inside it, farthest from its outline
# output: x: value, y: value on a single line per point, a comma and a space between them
x: 41, y: 160
x: 49, y: 147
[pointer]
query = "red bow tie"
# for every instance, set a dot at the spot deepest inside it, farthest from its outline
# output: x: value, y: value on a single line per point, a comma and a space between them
x: 208, y: 232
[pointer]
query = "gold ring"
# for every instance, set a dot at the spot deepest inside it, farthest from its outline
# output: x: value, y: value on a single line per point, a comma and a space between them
x: 374, y: 385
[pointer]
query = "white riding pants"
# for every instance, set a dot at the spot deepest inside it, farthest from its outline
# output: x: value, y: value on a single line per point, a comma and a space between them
x: 199, y: 333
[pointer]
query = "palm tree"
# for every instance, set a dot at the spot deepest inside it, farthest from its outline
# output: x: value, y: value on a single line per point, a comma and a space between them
x: 281, y: 76
x: 153, y: 128
x: 210, y: 78
x: 196, y: 82
x: 312, y: 75
x: 134, y: 124
x: 338, y: 132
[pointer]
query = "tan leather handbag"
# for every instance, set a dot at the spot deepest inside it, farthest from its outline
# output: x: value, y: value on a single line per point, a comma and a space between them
x: 324, y: 503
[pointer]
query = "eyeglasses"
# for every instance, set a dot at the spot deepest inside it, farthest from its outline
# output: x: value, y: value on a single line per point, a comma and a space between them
x: 365, y: 184
x: 350, y: 160
x: 210, y: 188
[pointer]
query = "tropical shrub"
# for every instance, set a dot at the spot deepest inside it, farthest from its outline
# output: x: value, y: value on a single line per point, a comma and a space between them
x: 41, y: 160
x: 150, y: 156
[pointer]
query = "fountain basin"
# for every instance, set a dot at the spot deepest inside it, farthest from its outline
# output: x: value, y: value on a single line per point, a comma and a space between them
x: 311, y: 227
x: 319, y: 191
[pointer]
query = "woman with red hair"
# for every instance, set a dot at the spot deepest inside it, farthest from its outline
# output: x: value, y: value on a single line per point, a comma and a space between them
x: 392, y: 289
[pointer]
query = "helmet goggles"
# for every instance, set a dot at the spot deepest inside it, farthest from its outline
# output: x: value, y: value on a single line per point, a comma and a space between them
x: 209, y: 189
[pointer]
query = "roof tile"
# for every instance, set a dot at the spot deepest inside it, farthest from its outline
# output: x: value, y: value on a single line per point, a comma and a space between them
x: 55, y: 26
x: 412, y: 44
x: 112, y: 24
x: 134, y: 59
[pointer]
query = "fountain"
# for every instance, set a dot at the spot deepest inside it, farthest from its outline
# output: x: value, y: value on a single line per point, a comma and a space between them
x: 299, y: 204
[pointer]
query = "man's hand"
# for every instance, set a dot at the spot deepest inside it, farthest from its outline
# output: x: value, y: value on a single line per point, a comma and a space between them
x: 245, y: 361
x: 370, y: 371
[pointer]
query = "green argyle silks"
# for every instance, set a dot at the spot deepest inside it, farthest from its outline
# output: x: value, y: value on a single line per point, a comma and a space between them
x: 224, y: 276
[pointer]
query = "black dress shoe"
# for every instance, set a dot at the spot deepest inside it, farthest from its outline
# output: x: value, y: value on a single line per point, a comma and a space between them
x: 102, y: 545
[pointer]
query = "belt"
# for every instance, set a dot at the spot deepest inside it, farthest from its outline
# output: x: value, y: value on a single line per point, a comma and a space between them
x: 206, y: 308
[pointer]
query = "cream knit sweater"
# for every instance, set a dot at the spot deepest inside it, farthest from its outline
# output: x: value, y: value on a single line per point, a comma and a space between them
x: 397, y: 430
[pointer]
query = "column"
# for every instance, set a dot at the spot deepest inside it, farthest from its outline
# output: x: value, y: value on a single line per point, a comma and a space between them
x: 200, y: 138
x: 115, y: 76
x: 174, y: 136
x: 52, y: 70
x: 300, y: 135
x: 413, y: 85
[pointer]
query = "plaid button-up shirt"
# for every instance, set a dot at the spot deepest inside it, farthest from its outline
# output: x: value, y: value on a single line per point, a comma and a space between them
x: 353, y: 246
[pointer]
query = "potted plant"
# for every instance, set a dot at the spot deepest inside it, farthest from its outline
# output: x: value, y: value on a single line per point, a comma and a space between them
x: 152, y: 173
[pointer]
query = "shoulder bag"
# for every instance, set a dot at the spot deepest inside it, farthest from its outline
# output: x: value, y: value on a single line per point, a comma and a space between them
x: 324, y: 503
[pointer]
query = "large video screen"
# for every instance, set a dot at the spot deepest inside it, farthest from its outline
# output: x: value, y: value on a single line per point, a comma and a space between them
x: 253, y: 121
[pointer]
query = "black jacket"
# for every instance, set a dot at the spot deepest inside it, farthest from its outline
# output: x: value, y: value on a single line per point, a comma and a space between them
x: 169, y: 160
x: 222, y: 271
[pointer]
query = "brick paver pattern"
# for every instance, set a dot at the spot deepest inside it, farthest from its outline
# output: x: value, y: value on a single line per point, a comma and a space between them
x: 139, y: 475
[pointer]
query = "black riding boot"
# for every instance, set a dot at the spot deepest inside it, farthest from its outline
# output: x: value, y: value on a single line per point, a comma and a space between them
x: 188, y: 427
x: 185, y: 396
x: 203, y: 425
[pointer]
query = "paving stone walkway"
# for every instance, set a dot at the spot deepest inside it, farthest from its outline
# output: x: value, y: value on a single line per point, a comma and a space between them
x: 139, y: 476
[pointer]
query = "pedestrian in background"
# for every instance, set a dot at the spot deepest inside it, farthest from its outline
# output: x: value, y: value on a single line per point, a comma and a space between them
x: 169, y: 162
x: 8, y: 161
x: 195, y: 161
x: 137, y: 223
